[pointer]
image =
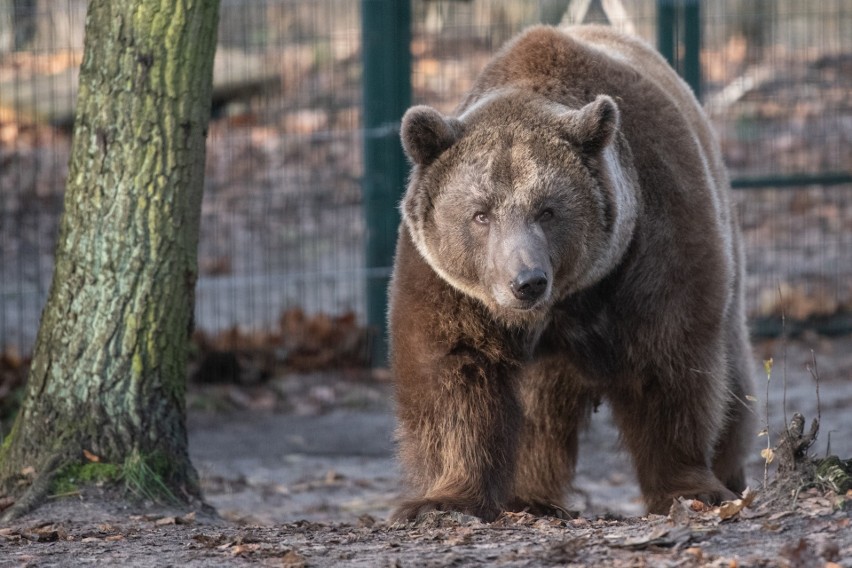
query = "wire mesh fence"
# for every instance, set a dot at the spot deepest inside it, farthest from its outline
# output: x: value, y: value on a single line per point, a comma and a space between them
x: 283, y: 224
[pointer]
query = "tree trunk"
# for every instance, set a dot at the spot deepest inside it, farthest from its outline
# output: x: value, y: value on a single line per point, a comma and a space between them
x: 109, y: 366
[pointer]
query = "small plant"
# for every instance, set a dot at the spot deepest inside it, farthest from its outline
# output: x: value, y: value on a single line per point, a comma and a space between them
x: 767, y: 453
x: 146, y: 482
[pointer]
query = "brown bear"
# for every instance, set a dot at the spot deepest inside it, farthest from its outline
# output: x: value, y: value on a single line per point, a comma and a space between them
x: 567, y: 237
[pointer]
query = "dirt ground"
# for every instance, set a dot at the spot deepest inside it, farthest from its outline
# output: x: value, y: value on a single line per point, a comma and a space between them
x: 311, y: 483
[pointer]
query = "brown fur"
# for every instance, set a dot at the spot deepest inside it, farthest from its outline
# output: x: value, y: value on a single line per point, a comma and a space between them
x: 578, y: 154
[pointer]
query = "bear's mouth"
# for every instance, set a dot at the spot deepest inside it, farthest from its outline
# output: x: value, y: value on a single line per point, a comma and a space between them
x: 526, y: 306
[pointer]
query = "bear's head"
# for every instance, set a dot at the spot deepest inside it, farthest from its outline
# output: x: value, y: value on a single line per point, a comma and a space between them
x: 519, y: 200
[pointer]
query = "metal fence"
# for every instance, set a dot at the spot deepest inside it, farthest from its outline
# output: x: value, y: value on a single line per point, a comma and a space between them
x: 286, y: 190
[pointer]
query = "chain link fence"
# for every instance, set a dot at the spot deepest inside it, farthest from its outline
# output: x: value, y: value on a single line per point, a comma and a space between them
x: 283, y: 230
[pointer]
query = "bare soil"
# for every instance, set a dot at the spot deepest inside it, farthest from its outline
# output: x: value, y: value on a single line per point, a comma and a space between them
x: 300, y: 471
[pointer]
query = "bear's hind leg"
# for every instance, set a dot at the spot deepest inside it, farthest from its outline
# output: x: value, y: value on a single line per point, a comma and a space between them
x: 555, y: 409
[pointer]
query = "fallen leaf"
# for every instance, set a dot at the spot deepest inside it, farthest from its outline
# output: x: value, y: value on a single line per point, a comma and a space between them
x: 28, y: 471
x: 241, y: 549
x: 46, y: 533
x: 664, y: 537
x: 332, y: 477
x: 293, y: 559
x: 10, y: 534
x: 90, y: 456
x: 10, y: 358
x: 114, y: 538
x: 800, y: 553
x: 679, y: 512
x: 730, y: 509
x: 6, y: 502
x: 695, y: 552
x: 463, y: 535
x: 208, y: 540
x: 166, y: 521
x: 187, y: 519
x: 815, y: 505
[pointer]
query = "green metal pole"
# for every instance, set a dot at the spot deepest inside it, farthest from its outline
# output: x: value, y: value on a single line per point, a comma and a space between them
x: 691, y: 67
x: 386, y: 57
x: 666, y: 37
x: 676, y: 18
x: 792, y: 180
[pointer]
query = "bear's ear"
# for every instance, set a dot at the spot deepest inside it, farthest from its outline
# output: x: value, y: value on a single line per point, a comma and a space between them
x: 426, y: 134
x: 593, y: 126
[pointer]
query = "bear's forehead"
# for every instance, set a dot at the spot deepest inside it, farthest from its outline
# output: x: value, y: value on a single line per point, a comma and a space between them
x: 508, y: 175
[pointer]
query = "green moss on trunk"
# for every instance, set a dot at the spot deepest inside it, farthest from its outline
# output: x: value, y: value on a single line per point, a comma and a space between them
x: 73, y: 476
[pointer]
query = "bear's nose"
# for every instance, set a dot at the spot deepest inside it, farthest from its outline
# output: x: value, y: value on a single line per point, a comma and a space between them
x: 529, y: 285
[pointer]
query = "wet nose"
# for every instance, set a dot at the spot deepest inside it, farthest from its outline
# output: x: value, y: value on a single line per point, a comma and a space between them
x: 529, y: 285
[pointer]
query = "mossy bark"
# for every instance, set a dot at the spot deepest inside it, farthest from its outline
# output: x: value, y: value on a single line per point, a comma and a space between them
x: 109, y: 366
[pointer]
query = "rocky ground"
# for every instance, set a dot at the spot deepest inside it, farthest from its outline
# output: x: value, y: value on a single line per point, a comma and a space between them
x: 300, y: 471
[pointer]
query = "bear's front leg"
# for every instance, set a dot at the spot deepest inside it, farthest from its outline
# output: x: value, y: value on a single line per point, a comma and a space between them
x: 671, y: 425
x: 458, y: 431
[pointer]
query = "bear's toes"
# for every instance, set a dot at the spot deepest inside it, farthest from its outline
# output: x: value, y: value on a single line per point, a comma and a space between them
x: 415, y: 509
x: 541, y: 509
x: 661, y: 505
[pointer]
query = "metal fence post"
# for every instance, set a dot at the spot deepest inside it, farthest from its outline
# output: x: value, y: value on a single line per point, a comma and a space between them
x: 666, y: 37
x: 679, y: 23
x: 386, y: 57
x: 691, y: 67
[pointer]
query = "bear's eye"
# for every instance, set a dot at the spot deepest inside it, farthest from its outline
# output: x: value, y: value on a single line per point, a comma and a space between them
x: 481, y: 218
x: 545, y: 215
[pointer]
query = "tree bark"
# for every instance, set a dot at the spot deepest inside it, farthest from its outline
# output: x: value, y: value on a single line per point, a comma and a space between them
x: 109, y: 366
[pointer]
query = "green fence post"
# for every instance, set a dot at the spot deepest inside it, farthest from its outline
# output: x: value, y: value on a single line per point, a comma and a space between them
x: 666, y: 37
x: 386, y: 58
x: 691, y: 67
x: 680, y: 21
